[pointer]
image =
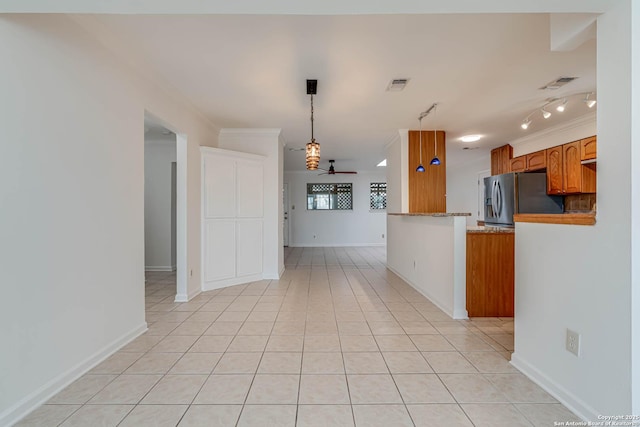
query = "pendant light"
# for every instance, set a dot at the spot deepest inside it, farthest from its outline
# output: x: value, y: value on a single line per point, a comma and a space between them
x: 313, y: 148
x: 435, y: 161
x: 420, y: 168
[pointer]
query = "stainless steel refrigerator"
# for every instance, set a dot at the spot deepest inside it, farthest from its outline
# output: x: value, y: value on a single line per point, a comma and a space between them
x: 521, y: 192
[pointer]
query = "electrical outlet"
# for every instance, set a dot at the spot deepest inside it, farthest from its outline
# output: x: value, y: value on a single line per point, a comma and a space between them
x: 314, y: 236
x: 383, y: 235
x: 573, y: 342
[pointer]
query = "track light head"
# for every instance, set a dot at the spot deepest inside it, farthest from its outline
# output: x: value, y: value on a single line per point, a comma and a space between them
x: 560, y: 108
x: 525, y: 124
x: 545, y: 113
x: 590, y: 102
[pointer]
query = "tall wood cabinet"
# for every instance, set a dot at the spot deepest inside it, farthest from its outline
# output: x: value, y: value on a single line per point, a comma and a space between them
x: 427, y: 190
x: 501, y: 159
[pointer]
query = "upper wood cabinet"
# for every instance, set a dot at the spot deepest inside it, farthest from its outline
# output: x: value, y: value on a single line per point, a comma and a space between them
x: 519, y: 164
x: 554, y: 170
x: 588, y: 148
x: 565, y: 172
x: 501, y: 159
x: 529, y: 162
x: 427, y: 190
x: 537, y: 160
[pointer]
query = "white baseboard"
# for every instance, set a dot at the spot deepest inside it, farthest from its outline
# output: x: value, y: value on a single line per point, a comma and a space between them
x: 159, y: 268
x: 281, y: 272
x: 32, y: 401
x: 335, y: 245
x: 188, y: 297
x: 223, y: 283
x: 568, y: 399
x: 449, y: 311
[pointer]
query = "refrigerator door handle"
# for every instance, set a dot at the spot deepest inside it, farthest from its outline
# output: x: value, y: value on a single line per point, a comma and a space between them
x: 499, y: 198
x: 494, y: 207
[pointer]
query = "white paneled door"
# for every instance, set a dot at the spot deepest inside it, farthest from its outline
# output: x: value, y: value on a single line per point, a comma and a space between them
x: 232, y: 216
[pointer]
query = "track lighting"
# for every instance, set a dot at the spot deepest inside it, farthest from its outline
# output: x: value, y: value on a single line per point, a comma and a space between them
x: 561, y: 106
x: 590, y: 102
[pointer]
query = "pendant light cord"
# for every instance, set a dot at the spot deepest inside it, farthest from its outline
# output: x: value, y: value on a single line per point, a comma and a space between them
x: 420, y: 140
x: 435, y: 133
x: 312, y: 118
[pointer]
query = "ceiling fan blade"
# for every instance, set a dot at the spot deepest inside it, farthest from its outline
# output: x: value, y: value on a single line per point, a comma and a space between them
x: 350, y: 172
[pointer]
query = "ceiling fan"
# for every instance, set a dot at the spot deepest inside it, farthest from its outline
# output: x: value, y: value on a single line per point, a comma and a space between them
x: 333, y: 171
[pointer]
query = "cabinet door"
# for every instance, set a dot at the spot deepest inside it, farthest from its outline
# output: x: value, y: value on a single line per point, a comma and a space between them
x: 554, y: 170
x: 537, y: 160
x: 572, y: 168
x: 518, y: 164
x: 496, y: 161
x: 588, y: 148
x: 505, y: 158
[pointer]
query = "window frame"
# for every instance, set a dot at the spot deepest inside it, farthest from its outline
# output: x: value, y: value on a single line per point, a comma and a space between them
x: 332, y: 194
x: 375, y: 188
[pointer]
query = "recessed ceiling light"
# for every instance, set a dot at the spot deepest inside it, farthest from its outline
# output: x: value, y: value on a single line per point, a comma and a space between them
x: 382, y: 163
x: 470, y: 138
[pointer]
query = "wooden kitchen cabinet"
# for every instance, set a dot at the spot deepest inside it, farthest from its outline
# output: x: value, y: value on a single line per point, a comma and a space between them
x: 554, y: 170
x: 427, y: 190
x: 536, y: 160
x: 501, y: 159
x: 565, y: 172
x: 519, y: 164
x: 588, y: 148
x: 490, y: 274
x: 530, y: 162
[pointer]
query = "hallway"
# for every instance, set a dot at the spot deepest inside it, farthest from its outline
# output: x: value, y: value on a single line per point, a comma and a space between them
x: 338, y: 341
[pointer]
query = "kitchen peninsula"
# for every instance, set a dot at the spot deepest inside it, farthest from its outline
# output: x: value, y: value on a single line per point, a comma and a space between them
x: 428, y: 251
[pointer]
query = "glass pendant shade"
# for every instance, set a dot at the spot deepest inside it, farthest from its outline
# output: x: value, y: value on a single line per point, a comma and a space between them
x: 435, y: 161
x: 313, y: 155
x: 420, y: 168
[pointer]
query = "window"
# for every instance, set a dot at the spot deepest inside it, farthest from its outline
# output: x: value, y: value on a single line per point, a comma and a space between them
x: 378, y: 196
x: 329, y: 196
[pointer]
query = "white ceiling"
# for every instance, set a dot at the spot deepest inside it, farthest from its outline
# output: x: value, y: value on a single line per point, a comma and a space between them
x: 484, y: 70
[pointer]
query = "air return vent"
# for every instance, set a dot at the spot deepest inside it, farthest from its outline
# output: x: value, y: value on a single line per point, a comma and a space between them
x: 397, y: 85
x: 558, y: 83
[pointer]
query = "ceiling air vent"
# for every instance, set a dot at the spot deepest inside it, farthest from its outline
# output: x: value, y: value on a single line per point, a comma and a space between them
x: 558, y: 83
x: 396, y: 85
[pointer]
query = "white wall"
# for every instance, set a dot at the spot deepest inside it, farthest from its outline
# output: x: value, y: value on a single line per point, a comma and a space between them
x: 579, y: 277
x: 429, y: 253
x: 159, y: 153
x: 462, y: 186
x: 356, y: 227
x: 267, y: 143
x: 72, y: 229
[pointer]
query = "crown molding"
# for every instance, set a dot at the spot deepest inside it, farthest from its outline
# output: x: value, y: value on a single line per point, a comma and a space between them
x: 274, y: 132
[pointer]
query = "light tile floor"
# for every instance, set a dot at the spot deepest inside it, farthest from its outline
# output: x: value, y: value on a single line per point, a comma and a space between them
x: 338, y: 341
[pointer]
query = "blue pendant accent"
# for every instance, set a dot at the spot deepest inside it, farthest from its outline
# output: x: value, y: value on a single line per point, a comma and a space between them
x: 420, y: 168
x: 435, y: 161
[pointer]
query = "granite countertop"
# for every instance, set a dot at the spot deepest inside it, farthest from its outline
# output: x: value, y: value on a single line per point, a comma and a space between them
x: 432, y: 214
x: 490, y: 229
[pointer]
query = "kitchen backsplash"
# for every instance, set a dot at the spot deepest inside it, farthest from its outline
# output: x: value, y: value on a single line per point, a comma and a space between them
x: 580, y: 203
